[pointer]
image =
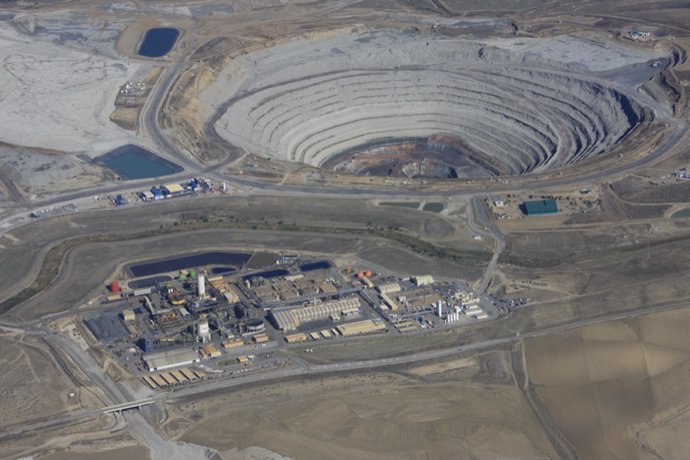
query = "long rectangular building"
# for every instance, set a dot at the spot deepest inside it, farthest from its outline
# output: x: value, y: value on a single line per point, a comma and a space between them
x: 388, y: 288
x: 233, y: 343
x: 170, y: 358
x: 296, y: 338
x: 289, y: 319
x: 422, y: 280
x: 209, y: 351
x: 367, y: 326
x: 188, y: 374
x: 540, y: 207
x: 389, y: 302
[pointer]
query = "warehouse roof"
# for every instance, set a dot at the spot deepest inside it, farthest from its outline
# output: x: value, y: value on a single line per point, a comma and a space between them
x: 173, y: 188
x: 288, y: 319
x: 361, y: 327
x: 421, y: 280
x: 170, y: 358
x: 538, y: 207
x: 388, y: 288
x: 295, y: 338
x: 209, y: 351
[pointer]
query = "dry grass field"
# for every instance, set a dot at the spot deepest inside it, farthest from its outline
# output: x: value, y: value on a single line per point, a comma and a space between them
x: 642, y: 191
x: 130, y: 453
x: 618, y: 390
x: 284, y: 86
x: 35, y: 386
x: 28, y: 374
x: 434, y: 414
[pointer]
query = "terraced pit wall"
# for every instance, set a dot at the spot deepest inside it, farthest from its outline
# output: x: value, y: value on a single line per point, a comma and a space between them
x: 310, y: 101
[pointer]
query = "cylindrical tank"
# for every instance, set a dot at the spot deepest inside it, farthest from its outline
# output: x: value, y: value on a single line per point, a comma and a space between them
x: 202, y: 287
x: 203, y: 331
x: 255, y: 325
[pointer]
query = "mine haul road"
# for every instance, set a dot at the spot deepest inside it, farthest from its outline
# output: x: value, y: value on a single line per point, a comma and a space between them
x: 151, y: 129
x: 86, y: 363
x: 256, y: 187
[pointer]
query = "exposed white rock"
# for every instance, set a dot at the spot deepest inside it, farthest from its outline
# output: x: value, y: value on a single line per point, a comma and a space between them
x: 56, y: 97
x: 309, y: 100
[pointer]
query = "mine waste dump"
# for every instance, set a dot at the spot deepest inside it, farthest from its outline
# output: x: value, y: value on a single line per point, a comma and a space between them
x: 388, y: 103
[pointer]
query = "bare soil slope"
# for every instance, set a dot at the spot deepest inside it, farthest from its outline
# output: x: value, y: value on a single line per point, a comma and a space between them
x: 375, y: 416
x: 28, y: 374
x: 618, y: 390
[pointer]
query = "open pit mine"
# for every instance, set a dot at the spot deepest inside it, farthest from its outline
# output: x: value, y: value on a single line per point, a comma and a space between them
x: 396, y: 103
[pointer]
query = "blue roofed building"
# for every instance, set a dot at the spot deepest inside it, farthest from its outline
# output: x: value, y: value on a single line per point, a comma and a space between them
x: 539, y: 207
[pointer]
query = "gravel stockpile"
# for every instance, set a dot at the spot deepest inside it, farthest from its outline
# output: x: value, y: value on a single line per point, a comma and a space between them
x: 308, y: 101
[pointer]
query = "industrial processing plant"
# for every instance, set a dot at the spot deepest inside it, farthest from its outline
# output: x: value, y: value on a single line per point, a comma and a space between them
x: 352, y: 229
x: 176, y: 313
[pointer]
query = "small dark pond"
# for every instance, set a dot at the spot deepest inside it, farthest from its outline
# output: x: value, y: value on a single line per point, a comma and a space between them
x: 236, y: 259
x: 222, y: 270
x: 158, y: 41
x: 315, y: 266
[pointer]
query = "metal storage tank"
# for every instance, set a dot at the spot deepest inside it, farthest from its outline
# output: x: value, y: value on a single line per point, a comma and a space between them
x: 202, y: 287
x: 255, y: 325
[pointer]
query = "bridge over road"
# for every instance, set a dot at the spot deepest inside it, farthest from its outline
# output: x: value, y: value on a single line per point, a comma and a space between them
x: 127, y: 406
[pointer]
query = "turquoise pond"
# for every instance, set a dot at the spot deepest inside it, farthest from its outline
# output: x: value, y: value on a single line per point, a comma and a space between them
x: 133, y: 162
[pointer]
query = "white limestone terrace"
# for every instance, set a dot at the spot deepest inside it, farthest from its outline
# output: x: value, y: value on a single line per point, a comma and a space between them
x: 310, y: 100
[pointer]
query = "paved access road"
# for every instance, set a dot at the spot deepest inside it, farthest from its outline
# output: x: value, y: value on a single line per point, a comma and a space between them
x: 139, y: 427
x: 411, y: 358
x: 479, y: 222
x: 364, y: 365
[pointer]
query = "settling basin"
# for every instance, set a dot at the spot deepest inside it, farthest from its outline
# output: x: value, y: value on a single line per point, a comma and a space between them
x: 158, y: 42
x: 236, y: 259
x: 133, y: 162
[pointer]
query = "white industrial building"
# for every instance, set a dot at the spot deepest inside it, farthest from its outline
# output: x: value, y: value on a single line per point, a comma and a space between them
x: 498, y: 201
x: 390, y: 303
x: 388, y: 288
x: 289, y: 319
x: 128, y: 315
x: 203, y: 332
x: 172, y: 189
x: 170, y: 358
x: 422, y: 280
x: 476, y: 311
